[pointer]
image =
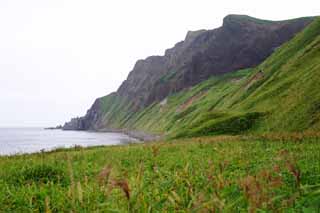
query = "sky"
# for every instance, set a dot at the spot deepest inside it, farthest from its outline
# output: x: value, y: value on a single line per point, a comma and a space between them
x: 58, y: 56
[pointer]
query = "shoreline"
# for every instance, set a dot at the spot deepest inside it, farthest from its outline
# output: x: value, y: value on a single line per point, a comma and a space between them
x: 136, y: 134
x: 139, y: 135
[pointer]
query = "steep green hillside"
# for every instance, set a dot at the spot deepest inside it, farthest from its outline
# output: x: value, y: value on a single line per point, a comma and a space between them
x: 281, y: 94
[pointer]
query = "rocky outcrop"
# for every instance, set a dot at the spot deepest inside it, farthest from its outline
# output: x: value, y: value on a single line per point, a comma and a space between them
x: 241, y: 42
x: 53, y: 128
x: 74, y: 124
x: 91, y: 121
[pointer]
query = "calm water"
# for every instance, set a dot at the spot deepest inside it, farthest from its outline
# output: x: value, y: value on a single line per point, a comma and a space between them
x: 28, y: 140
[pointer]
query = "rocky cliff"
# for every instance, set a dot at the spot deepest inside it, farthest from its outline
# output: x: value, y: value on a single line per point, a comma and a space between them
x: 90, y: 121
x: 241, y: 42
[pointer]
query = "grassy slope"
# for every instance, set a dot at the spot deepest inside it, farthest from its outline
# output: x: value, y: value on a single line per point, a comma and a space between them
x: 228, y: 174
x: 286, y: 98
x: 275, y: 173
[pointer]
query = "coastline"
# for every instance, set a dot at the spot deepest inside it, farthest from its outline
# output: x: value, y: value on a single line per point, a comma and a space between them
x: 136, y: 134
x: 132, y: 137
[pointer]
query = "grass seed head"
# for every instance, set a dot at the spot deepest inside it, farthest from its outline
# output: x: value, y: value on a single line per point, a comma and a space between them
x: 123, y: 185
x: 103, y: 176
x: 80, y: 192
x: 47, y: 205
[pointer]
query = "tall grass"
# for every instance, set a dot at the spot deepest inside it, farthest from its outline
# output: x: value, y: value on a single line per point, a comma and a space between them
x: 224, y: 173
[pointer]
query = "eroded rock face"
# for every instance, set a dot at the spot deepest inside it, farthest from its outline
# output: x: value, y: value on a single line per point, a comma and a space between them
x: 74, y: 124
x: 91, y: 121
x: 241, y: 42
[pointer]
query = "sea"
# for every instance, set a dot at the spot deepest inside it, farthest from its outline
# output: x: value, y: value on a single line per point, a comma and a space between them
x: 30, y: 140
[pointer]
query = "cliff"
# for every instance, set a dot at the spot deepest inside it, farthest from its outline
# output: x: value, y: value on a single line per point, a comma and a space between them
x: 241, y: 42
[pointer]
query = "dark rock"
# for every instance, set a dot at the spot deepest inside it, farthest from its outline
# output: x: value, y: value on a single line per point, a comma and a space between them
x: 74, y: 124
x: 241, y: 42
x: 89, y: 122
x: 53, y: 128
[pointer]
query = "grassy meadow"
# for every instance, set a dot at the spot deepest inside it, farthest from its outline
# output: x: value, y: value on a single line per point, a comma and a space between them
x: 275, y: 172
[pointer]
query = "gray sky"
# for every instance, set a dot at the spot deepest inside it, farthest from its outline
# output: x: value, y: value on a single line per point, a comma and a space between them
x: 57, y: 56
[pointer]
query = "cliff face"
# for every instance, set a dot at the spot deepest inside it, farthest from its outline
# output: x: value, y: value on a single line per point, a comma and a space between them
x: 91, y: 121
x: 241, y: 42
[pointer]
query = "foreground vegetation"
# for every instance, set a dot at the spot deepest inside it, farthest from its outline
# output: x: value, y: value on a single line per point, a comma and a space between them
x: 226, y: 173
x: 275, y: 172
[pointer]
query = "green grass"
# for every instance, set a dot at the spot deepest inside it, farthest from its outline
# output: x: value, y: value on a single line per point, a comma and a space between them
x: 288, y: 95
x: 262, y: 21
x: 231, y: 125
x: 229, y: 174
x: 255, y: 172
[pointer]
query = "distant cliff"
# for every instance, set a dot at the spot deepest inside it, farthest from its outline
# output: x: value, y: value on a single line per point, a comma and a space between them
x: 241, y: 42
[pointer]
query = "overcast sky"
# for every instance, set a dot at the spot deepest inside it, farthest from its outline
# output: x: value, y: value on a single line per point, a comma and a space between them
x: 57, y: 56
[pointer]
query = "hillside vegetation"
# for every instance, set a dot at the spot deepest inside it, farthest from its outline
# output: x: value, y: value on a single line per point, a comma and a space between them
x: 282, y: 94
x: 265, y: 159
x: 241, y: 42
x: 273, y: 173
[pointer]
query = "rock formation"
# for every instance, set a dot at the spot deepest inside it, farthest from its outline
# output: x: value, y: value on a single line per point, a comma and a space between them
x: 241, y: 42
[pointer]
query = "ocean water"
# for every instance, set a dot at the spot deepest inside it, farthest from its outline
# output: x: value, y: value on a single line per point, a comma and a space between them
x: 30, y: 140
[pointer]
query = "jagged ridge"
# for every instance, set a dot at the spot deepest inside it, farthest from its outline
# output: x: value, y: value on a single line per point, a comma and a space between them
x: 241, y: 42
